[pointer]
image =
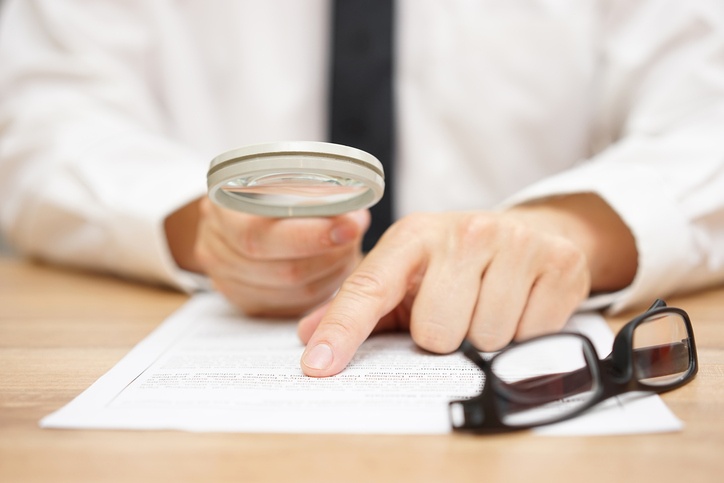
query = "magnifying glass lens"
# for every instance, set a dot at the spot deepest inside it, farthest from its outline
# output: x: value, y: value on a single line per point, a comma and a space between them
x: 295, y: 179
x: 294, y: 189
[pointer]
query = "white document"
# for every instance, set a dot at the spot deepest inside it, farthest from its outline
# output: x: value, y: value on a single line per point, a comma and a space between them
x: 206, y: 368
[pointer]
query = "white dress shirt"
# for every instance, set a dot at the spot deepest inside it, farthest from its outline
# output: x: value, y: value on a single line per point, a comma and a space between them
x: 110, y: 112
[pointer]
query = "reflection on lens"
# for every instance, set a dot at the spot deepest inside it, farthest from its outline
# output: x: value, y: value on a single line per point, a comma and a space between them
x: 294, y: 189
x: 540, y: 375
x: 661, y: 350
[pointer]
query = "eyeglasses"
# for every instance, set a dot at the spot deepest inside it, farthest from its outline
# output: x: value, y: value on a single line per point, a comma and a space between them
x: 556, y: 377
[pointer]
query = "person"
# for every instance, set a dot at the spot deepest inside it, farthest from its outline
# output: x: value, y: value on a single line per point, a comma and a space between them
x: 550, y: 156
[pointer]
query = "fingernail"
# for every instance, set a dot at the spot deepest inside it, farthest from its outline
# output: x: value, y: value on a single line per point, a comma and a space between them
x: 319, y: 357
x: 345, y: 231
x: 360, y: 217
x: 342, y: 234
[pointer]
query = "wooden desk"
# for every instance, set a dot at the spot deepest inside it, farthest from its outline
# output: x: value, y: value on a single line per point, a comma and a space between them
x: 54, y: 343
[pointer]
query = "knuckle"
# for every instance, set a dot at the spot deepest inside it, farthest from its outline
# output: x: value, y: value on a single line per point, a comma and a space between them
x: 253, y: 310
x: 476, y: 226
x: 567, y: 254
x: 248, y: 242
x: 291, y: 274
x: 519, y: 235
x: 568, y: 258
x: 465, y: 231
x: 409, y: 226
x: 208, y: 259
x: 205, y: 207
x: 251, y: 306
x: 266, y: 308
x: 474, y: 230
x: 203, y: 255
x: 232, y: 293
x: 364, y: 284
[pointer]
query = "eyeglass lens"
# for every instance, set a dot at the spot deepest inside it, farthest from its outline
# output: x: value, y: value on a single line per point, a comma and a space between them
x: 544, y: 379
x: 662, y: 350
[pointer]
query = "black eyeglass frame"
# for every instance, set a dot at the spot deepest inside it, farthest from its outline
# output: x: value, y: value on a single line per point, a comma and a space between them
x: 614, y: 375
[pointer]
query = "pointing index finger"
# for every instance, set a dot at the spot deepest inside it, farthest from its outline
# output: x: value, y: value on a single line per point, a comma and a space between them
x: 376, y: 287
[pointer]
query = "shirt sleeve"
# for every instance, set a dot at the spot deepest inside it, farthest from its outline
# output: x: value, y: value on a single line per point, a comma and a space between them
x: 658, y: 145
x: 88, y: 170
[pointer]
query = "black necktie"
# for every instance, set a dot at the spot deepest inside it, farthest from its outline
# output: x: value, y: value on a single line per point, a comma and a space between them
x: 361, y: 97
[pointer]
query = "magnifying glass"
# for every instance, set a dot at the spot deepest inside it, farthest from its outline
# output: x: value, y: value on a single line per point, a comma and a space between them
x: 296, y: 179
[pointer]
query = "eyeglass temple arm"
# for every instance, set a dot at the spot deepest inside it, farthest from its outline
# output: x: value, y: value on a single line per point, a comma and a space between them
x: 658, y: 303
x: 652, y: 361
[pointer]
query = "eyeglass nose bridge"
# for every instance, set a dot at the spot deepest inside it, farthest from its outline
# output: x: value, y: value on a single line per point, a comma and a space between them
x: 618, y: 369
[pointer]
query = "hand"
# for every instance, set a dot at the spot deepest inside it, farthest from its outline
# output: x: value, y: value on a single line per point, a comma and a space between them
x: 276, y: 267
x: 491, y: 277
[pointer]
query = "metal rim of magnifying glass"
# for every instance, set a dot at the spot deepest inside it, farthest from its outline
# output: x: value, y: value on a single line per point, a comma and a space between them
x: 312, y: 157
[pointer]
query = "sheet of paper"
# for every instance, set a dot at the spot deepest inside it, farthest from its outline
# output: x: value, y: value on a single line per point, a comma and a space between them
x: 208, y: 369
